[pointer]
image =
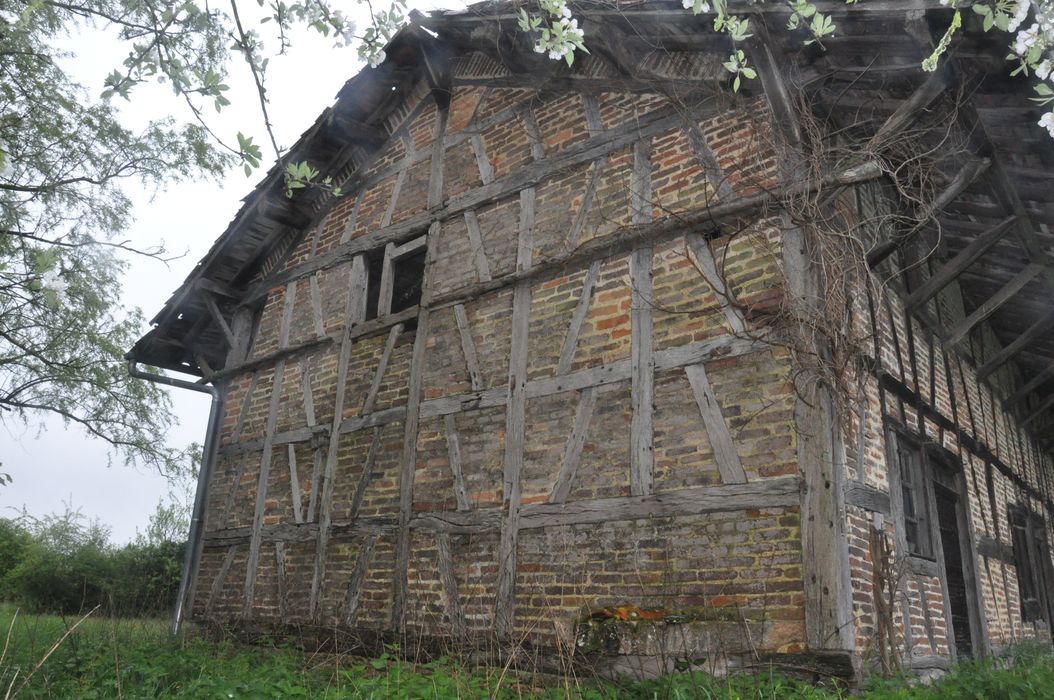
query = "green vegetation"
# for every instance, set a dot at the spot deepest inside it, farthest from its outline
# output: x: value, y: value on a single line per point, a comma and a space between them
x: 121, y: 658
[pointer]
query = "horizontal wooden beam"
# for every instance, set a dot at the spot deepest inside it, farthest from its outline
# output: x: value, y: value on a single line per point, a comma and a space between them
x: 867, y: 497
x: 1041, y: 410
x: 761, y: 493
x: 1045, y: 323
x: 962, y: 329
x: 994, y: 549
x: 955, y: 267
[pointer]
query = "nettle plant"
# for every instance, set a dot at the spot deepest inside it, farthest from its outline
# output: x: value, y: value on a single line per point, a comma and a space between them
x: 1030, y: 26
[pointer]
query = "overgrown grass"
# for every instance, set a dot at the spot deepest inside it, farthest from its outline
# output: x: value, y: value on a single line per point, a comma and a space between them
x: 105, y: 658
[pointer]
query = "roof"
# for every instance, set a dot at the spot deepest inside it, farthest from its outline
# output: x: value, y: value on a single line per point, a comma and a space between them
x: 865, y: 79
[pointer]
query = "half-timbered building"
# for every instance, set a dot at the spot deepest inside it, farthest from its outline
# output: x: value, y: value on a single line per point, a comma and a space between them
x: 614, y: 359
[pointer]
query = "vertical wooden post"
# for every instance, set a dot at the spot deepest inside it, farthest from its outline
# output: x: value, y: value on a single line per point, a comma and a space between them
x: 642, y: 389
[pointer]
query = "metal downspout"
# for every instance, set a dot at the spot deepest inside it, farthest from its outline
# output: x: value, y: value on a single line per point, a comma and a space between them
x: 197, y: 518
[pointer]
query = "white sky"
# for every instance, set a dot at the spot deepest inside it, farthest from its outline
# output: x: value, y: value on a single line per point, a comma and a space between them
x: 56, y: 464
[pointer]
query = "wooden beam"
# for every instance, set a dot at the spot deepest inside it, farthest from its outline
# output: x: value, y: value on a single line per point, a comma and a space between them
x: 703, y: 258
x: 366, y: 475
x: 453, y: 447
x: 567, y: 352
x: 358, y: 575
x: 955, y: 267
x: 642, y: 362
x: 573, y: 449
x: 1022, y: 393
x: 283, y: 590
x: 1041, y: 326
x: 721, y: 443
x: 294, y: 484
x: 963, y: 179
x: 468, y: 347
x: 475, y: 239
x: 962, y: 329
x: 387, y: 287
x: 911, y: 109
x: 382, y: 367
x: 316, y: 306
x: 217, y: 583
x: 217, y: 316
x: 445, y: 564
x: 1038, y: 412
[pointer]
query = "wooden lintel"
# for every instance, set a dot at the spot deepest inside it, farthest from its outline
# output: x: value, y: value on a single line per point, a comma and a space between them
x: 1041, y: 326
x: 867, y: 497
x: 958, y: 264
x: 962, y: 329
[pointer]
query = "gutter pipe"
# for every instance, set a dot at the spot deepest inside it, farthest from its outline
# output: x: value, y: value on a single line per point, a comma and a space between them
x: 197, y: 518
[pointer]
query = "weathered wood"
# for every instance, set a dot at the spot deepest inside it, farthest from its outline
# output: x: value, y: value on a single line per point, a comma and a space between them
x: 411, y: 246
x: 957, y: 265
x: 386, y: 220
x: 353, y: 218
x: 272, y: 358
x: 468, y: 347
x: 366, y: 475
x: 721, y: 442
x: 868, y: 498
x: 387, y: 287
x: 965, y: 177
x: 435, y: 173
x: 1029, y: 336
x: 316, y: 480
x: 642, y: 363
x: 294, y: 486
x: 217, y: 316
x: 287, y: 315
x: 763, y: 493
x: 475, y: 239
x: 243, y: 412
x: 486, y: 170
x: 591, y: 109
x: 910, y: 110
x: 261, y: 484
x: 530, y: 123
x: 1038, y: 412
x: 962, y: 329
x: 316, y: 306
x: 1023, y: 393
x: 358, y: 575
x: 221, y: 577
x: 567, y: 352
x: 453, y: 447
x: 703, y: 259
x: 515, y: 423
x: 242, y: 327
x: 283, y: 590
x: 408, y: 459
x: 373, y: 419
x: 308, y: 394
x: 455, y: 617
x: 714, y: 173
x: 382, y: 367
x: 573, y: 448
x: 355, y: 311
x: 596, y: 170
x: 285, y: 437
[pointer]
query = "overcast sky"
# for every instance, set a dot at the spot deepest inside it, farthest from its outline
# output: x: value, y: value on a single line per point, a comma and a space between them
x: 56, y: 464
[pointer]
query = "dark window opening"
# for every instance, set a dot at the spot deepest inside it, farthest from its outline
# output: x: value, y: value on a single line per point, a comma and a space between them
x: 394, y: 277
x: 917, y: 531
x: 374, y: 269
x: 409, y: 273
x: 1032, y: 561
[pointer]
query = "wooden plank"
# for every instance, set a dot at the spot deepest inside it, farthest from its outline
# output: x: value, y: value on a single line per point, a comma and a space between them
x: 316, y: 479
x: 294, y: 485
x: 714, y: 172
x: 596, y: 170
x: 239, y: 423
x: 308, y: 394
x: 475, y: 239
x: 382, y: 367
x: 981, y: 314
x: 261, y: 489
x: 217, y: 316
x: 468, y: 347
x: 567, y: 352
x: 387, y: 287
x: 957, y: 265
x: 515, y: 423
x: 349, y: 228
x: 217, y: 583
x: 1029, y: 336
x: 283, y: 590
x: 408, y: 459
x: 287, y: 315
x: 386, y: 220
x: 486, y: 171
x: 411, y: 246
x: 530, y: 123
x: 868, y: 498
x: 453, y: 447
x: 435, y: 173
x: 358, y: 575
x: 591, y: 109
x: 316, y: 306
x: 366, y: 475
x: 642, y: 363
x: 763, y: 493
x: 358, y: 278
x: 242, y: 327
x: 455, y: 617
x: 573, y: 448
x: 721, y: 443
x: 703, y: 259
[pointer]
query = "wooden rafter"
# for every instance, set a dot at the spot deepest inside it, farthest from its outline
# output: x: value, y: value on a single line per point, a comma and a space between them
x: 1007, y: 292
x: 1022, y: 393
x: 1045, y: 323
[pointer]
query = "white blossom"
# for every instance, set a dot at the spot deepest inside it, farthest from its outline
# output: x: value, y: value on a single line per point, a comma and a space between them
x: 1043, y: 69
x: 1026, y: 39
x: 52, y: 280
x: 1047, y: 122
x: 1019, y: 15
x: 377, y: 59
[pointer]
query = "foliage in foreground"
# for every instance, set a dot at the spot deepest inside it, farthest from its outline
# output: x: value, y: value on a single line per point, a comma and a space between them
x: 137, y: 659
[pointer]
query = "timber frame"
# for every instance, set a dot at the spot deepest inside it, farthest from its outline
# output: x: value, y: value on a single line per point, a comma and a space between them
x: 328, y: 343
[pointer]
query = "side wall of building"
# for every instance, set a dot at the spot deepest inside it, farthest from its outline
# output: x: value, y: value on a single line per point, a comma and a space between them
x: 578, y: 420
